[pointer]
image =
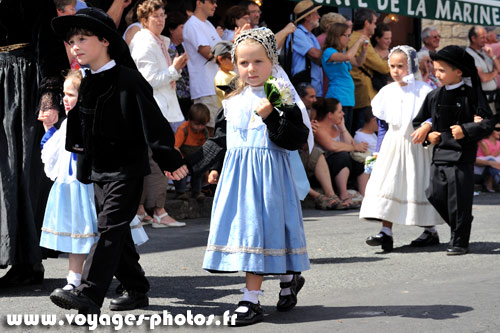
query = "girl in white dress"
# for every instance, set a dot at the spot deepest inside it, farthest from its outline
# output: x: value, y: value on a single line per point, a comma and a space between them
x: 396, y: 190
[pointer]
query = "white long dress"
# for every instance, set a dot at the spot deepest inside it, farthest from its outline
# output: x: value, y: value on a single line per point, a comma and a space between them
x: 396, y: 189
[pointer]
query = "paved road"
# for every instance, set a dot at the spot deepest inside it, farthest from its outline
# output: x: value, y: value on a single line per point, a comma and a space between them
x: 351, y: 287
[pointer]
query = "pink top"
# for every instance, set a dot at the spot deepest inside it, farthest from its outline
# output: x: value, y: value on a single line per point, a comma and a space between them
x: 492, y: 147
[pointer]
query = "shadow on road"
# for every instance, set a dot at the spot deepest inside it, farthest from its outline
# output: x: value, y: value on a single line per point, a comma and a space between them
x: 474, y: 248
x: 318, y: 313
x: 348, y: 260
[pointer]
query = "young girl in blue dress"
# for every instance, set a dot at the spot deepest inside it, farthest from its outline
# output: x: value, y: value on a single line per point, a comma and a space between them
x: 256, y: 223
x: 70, y: 221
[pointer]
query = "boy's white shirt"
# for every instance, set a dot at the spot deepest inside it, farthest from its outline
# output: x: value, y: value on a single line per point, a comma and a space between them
x: 110, y: 64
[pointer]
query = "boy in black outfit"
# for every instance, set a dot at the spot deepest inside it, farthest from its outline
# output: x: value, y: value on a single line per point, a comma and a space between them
x: 455, y: 135
x: 114, y: 122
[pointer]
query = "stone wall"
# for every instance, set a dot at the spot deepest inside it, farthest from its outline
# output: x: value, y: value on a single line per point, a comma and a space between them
x: 451, y: 32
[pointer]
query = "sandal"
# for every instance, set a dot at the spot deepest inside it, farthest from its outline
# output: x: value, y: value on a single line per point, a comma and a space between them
x: 326, y: 203
x: 345, y: 204
x: 158, y: 224
x: 145, y: 218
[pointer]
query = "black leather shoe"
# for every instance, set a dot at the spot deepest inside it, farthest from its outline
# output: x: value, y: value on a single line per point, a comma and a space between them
x: 428, y: 240
x: 74, y: 299
x: 254, y: 314
x: 129, y: 300
x: 288, y: 302
x: 456, y: 251
x: 22, y: 275
x: 381, y: 239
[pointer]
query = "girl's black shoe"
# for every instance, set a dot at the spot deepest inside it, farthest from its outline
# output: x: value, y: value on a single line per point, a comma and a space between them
x: 254, y: 314
x: 381, y: 239
x: 288, y: 302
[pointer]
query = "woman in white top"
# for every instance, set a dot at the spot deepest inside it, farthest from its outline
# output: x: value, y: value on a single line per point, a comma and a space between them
x: 149, y: 50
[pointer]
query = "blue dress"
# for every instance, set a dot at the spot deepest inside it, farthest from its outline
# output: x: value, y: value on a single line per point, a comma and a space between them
x: 70, y: 221
x: 256, y: 223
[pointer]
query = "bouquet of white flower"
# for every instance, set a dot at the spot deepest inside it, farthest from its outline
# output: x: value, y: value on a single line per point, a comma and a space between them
x: 278, y: 92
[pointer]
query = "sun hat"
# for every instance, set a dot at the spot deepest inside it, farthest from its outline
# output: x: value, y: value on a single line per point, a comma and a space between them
x: 304, y: 8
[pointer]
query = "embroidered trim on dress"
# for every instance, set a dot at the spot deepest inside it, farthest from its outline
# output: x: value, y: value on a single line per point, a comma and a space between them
x: 256, y: 250
x: 69, y: 234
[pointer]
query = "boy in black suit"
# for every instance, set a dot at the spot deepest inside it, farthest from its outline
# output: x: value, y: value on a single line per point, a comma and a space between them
x: 454, y: 135
x: 114, y: 122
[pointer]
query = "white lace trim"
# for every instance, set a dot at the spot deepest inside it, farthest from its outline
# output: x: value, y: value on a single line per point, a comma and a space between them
x: 256, y: 250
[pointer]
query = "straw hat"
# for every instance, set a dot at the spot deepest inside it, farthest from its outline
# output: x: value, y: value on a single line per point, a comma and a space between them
x: 304, y: 8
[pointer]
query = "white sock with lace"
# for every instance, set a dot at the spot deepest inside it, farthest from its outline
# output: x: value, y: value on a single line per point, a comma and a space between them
x: 286, y: 278
x: 249, y: 296
x: 74, y: 279
x: 387, y: 231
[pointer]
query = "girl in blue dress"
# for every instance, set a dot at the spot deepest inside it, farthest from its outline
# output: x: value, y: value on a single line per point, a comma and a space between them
x: 70, y: 221
x: 256, y: 223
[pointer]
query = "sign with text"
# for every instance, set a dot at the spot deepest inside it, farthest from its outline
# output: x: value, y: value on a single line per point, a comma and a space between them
x: 480, y: 12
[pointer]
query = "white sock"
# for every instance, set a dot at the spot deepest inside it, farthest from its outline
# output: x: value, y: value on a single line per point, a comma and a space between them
x: 286, y: 278
x: 432, y: 229
x: 249, y: 296
x: 74, y: 279
x: 387, y: 231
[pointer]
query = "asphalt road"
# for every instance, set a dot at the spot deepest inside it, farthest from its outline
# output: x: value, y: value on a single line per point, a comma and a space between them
x: 351, y: 287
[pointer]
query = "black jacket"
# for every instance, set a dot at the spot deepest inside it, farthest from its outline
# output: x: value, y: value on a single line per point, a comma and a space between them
x: 114, y: 121
x: 287, y: 131
x: 455, y: 107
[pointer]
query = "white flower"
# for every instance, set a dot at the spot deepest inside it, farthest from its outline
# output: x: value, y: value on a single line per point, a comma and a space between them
x: 284, y: 89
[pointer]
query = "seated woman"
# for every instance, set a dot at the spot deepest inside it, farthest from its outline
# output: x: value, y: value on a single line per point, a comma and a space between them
x: 487, y: 167
x: 334, y: 139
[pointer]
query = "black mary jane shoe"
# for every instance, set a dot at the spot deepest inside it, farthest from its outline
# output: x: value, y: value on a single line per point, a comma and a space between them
x: 456, y: 251
x: 429, y: 240
x: 74, y: 299
x: 253, y: 315
x: 288, y: 302
x: 129, y: 300
x: 382, y: 239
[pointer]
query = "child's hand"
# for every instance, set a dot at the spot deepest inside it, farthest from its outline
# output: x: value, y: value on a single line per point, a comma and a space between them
x: 178, y: 174
x: 264, y: 108
x: 457, y: 132
x: 419, y: 135
x: 213, y: 177
x: 478, y: 119
x: 48, y: 117
x: 434, y: 137
x: 314, y: 126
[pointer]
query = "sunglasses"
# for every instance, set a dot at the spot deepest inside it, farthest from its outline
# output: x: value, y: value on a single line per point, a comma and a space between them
x: 497, y: 129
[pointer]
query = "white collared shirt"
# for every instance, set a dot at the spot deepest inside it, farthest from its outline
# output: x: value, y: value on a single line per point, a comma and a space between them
x: 107, y: 66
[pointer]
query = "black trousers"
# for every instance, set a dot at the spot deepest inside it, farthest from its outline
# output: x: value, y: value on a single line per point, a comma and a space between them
x: 450, y: 191
x: 114, y: 253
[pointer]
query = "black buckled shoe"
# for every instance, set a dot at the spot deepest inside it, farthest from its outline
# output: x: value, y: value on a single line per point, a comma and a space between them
x: 288, y: 302
x: 74, y: 299
x: 254, y: 314
x: 427, y: 238
x: 129, y: 300
x: 381, y: 239
x: 456, y: 251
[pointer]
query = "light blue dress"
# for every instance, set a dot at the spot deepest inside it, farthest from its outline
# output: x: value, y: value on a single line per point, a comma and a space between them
x: 70, y: 221
x: 256, y: 223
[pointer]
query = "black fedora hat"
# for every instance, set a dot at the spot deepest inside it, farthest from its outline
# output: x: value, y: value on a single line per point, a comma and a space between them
x: 96, y: 21
x: 458, y: 57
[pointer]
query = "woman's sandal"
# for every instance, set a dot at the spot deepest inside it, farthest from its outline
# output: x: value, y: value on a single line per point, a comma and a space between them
x: 326, y: 203
x: 345, y: 204
x: 145, y: 218
x: 158, y: 224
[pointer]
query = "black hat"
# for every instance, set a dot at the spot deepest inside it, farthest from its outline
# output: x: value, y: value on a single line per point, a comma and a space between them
x: 458, y: 57
x: 98, y: 22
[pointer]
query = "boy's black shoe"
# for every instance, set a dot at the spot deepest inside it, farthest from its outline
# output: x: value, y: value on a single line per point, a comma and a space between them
x: 129, y: 300
x: 288, y: 302
x: 74, y: 299
x: 381, y: 239
x: 254, y: 314
x: 426, y: 239
x: 456, y: 251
